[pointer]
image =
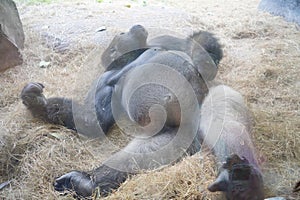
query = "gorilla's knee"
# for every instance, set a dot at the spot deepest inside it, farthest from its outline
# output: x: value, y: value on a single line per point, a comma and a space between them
x: 123, y: 43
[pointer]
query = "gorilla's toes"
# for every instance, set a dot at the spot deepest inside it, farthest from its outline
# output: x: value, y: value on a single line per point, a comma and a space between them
x: 31, y: 95
x: 62, y: 183
x: 33, y: 88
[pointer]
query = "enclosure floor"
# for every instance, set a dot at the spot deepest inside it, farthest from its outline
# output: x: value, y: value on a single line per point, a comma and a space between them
x: 261, y: 60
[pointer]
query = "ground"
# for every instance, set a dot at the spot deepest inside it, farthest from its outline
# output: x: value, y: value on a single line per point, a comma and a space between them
x: 261, y: 60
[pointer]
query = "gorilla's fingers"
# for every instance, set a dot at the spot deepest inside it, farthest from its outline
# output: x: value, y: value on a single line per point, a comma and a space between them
x: 36, y: 88
x: 239, y: 180
x: 220, y: 183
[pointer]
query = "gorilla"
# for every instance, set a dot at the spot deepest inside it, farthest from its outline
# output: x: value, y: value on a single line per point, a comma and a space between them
x: 159, y: 87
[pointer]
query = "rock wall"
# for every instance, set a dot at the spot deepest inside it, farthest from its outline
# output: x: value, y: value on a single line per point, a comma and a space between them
x: 11, y: 35
x: 289, y: 9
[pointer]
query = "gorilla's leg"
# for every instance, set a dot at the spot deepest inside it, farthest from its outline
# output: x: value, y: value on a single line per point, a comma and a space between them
x: 140, y: 154
x: 116, y: 169
x: 226, y: 127
x: 63, y: 111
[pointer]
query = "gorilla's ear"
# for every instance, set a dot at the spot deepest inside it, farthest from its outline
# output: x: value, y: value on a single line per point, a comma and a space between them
x: 221, y: 183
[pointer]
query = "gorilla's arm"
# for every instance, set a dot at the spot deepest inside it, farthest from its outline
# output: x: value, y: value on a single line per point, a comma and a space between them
x: 226, y: 127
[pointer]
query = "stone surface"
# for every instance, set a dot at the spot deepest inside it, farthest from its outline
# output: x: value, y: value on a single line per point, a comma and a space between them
x: 9, y: 53
x: 92, y: 24
x: 11, y: 35
x: 289, y: 9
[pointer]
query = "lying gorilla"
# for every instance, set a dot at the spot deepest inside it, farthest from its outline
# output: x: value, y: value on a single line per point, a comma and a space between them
x: 158, y: 87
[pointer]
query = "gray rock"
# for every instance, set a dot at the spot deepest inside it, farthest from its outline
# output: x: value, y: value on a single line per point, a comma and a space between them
x: 289, y: 9
x: 11, y: 35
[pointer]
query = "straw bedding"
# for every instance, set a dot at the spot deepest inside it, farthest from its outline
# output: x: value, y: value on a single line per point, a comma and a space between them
x: 261, y: 60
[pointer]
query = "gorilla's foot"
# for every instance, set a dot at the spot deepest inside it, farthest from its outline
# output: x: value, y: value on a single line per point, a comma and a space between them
x: 55, y: 110
x: 239, y: 180
x: 77, y: 181
x: 32, y: 95
x: 33, y: 98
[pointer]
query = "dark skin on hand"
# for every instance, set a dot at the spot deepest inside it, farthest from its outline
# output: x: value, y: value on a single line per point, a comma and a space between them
x: 239, y: 180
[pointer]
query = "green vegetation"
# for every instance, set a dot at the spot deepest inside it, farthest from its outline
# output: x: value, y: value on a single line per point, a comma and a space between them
x: 35, y: 1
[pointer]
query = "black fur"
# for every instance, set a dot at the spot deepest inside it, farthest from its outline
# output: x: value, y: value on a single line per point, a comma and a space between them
x: 210, y: 43
x: 128, y: 51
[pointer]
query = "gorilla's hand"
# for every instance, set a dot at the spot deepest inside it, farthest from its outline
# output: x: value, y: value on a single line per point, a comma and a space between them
x: 77, y: 181
x: 32, y: 96
x: 239, y: 180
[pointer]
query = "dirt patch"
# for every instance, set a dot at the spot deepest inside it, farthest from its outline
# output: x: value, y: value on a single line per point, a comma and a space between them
x: 261, y: 61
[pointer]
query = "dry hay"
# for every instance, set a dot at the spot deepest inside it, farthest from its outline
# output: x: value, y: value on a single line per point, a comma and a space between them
x: 261, y: 61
